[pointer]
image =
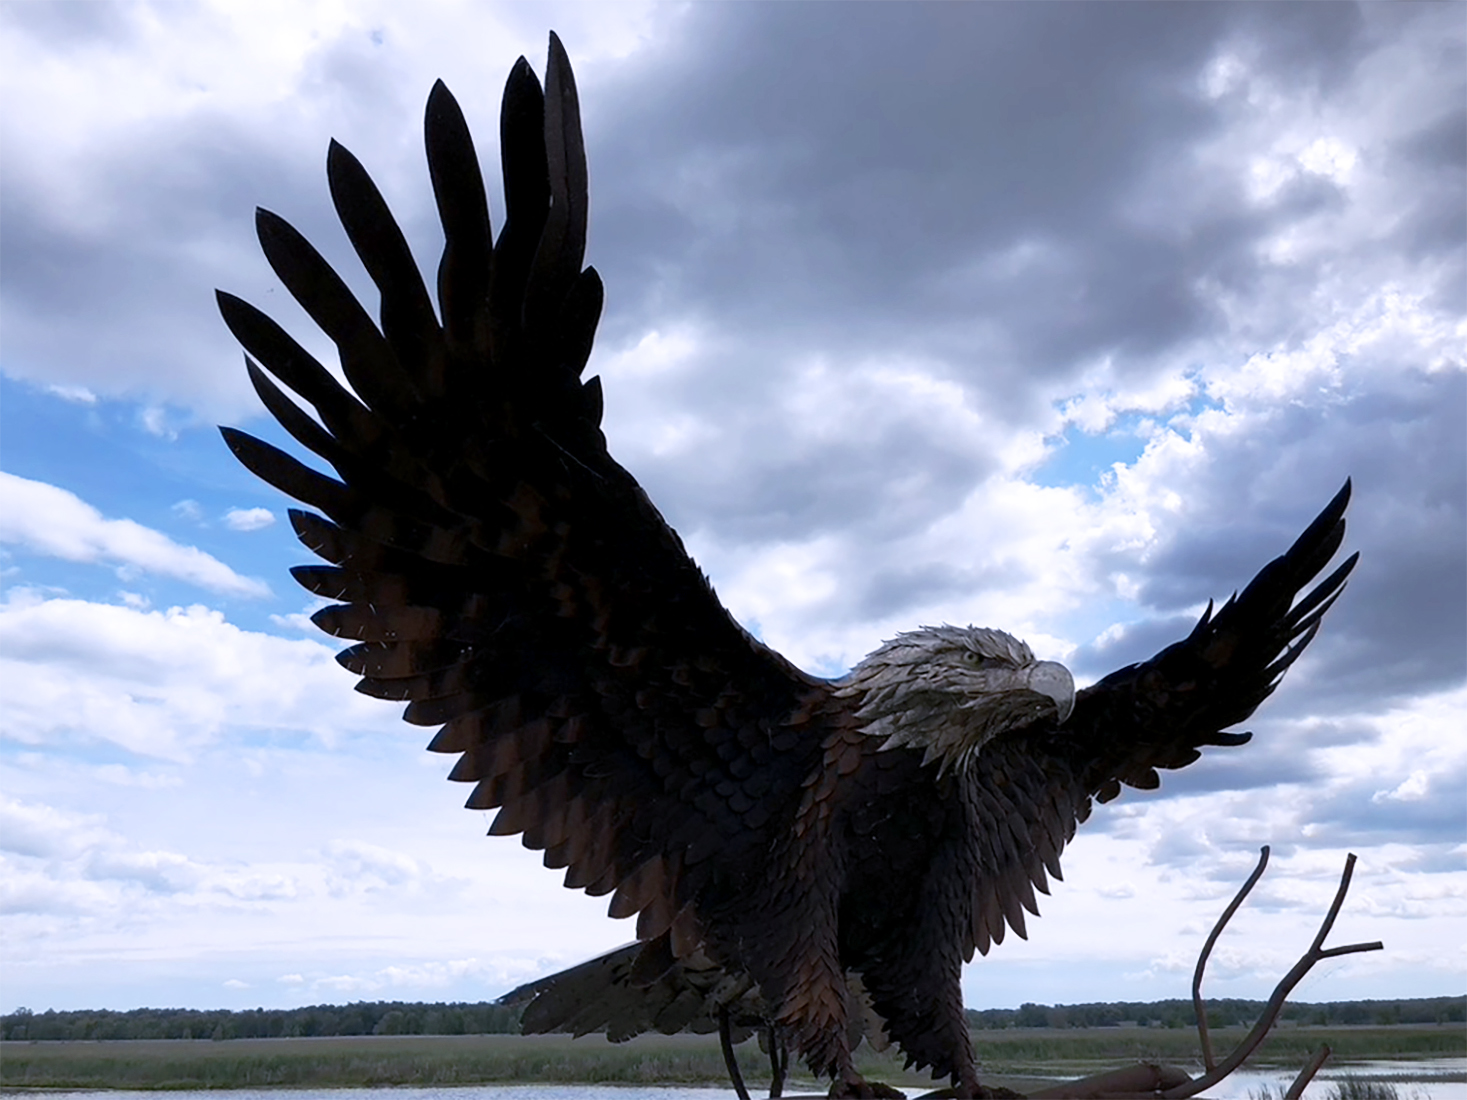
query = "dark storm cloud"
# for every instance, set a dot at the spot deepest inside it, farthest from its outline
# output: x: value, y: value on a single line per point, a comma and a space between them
x: 147, y: 319
x: 1399, y: 630
x: 108, y: 279
x: 1364, y: 812
x: 1435, y: 224
x: 876, y: 175
x: 889, y: 157
x: 891, y: 589
x: 1005, y: 195
x: 1015, y: 193
x: 67, y: 25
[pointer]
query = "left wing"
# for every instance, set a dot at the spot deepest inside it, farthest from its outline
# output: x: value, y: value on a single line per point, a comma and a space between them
x: 498, y: 571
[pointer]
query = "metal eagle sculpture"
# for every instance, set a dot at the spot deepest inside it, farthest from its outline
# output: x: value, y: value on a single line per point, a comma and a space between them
x: 502, y: 574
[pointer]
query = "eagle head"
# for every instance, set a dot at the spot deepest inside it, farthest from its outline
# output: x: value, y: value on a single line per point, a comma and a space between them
x: 950, y: 689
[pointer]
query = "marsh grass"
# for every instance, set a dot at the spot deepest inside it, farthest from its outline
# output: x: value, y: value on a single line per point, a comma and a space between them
x: 1020, y: 1056
x: 372, y: 1061
x: 1054, y: 1052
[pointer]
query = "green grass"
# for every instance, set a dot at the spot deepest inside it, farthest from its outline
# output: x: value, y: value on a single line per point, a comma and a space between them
x: 370, y: 1061
x: 1016, y: 1057
x: 1093, y: 1049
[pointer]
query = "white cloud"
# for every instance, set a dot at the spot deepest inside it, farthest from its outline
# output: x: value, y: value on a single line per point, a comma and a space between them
x: 248, y: 519
x: 35, y: 830
x: 154, y: 421
x: 165, y: 683
x: 496, y: 973
x: 49, y: 520
x: 1411, y: 789
x: 357, y: 865
x: 90, y: 866
x: 77, y: 395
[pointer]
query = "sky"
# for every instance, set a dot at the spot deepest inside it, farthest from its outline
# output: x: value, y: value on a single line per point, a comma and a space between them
x: 1059, y: 319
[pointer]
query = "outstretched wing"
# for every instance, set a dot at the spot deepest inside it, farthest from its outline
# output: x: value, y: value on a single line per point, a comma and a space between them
x: 1162, y: 712
x: 1028, y: 789
x: 498, y: 571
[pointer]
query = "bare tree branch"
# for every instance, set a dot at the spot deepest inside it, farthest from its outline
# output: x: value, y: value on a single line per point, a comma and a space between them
x: 1141, y: 1079
x: 1281, y: 992
x: 1198, y: 1008
x: 1306, y: 1074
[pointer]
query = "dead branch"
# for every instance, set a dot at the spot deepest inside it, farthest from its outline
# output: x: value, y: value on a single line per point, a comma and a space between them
x: 1142, y: 1079
x: 1306, y: 1074
x: 1150, y: 1080
x: 1198, y: 1008
x: 1317, y: 951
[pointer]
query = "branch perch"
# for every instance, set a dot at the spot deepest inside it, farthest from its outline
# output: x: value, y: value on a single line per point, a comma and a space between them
x: 1151, y: 1080
x: 1316, y: 952
x: 1198, y: 1008
x: 1306, y: 1074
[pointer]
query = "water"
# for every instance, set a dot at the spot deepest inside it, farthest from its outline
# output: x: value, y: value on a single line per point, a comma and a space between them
x: 463, y: 1092
x: 1433, y: 1079
x: 1439, y: 1079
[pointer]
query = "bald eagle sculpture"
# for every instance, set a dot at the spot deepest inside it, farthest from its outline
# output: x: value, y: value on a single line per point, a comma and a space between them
x: 499, y: 572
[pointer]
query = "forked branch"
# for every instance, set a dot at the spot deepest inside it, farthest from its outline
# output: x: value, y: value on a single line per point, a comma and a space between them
x: 1306, y: 1074
x: 1317, y: 951
x: 1150, y: 1080
x: 1198, y: 1007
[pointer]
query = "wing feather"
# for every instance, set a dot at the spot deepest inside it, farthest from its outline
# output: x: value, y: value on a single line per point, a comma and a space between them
x: 366, y: 357
x: 1162, y: 712
x: 408, y: 324
x: 497, y: 570
x: 343, y: 415
x: 466, y: 269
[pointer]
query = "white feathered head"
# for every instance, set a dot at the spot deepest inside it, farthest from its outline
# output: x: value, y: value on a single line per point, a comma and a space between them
x: 950, y: 689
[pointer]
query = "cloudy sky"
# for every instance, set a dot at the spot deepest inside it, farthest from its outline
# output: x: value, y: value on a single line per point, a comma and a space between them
x: 1057, y: 319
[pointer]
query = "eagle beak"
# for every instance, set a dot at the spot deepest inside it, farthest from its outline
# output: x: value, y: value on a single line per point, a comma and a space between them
x: 1054, y: 680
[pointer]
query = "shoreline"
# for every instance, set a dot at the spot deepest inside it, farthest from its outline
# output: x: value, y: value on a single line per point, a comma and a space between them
x: 1022, y: 1056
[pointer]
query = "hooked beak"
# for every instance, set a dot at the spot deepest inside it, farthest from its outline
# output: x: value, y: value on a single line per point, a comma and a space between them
x: 1054, y: 680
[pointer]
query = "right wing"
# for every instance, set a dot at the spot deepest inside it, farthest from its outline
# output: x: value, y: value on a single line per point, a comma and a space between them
x: 1162, y: 712
x: 496, y: 568
x: 1029, y: 788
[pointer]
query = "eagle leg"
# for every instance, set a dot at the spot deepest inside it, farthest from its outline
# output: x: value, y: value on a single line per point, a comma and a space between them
x: 779, y: 1061
x: 730, y: 1060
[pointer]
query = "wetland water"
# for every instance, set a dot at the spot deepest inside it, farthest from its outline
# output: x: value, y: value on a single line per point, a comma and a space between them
x: 1436, y: 1079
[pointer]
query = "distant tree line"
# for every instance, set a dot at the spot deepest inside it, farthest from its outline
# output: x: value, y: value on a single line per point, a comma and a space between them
x: 1224, y: 1013
x: 361, y: 1018
x: 487, y: 1018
